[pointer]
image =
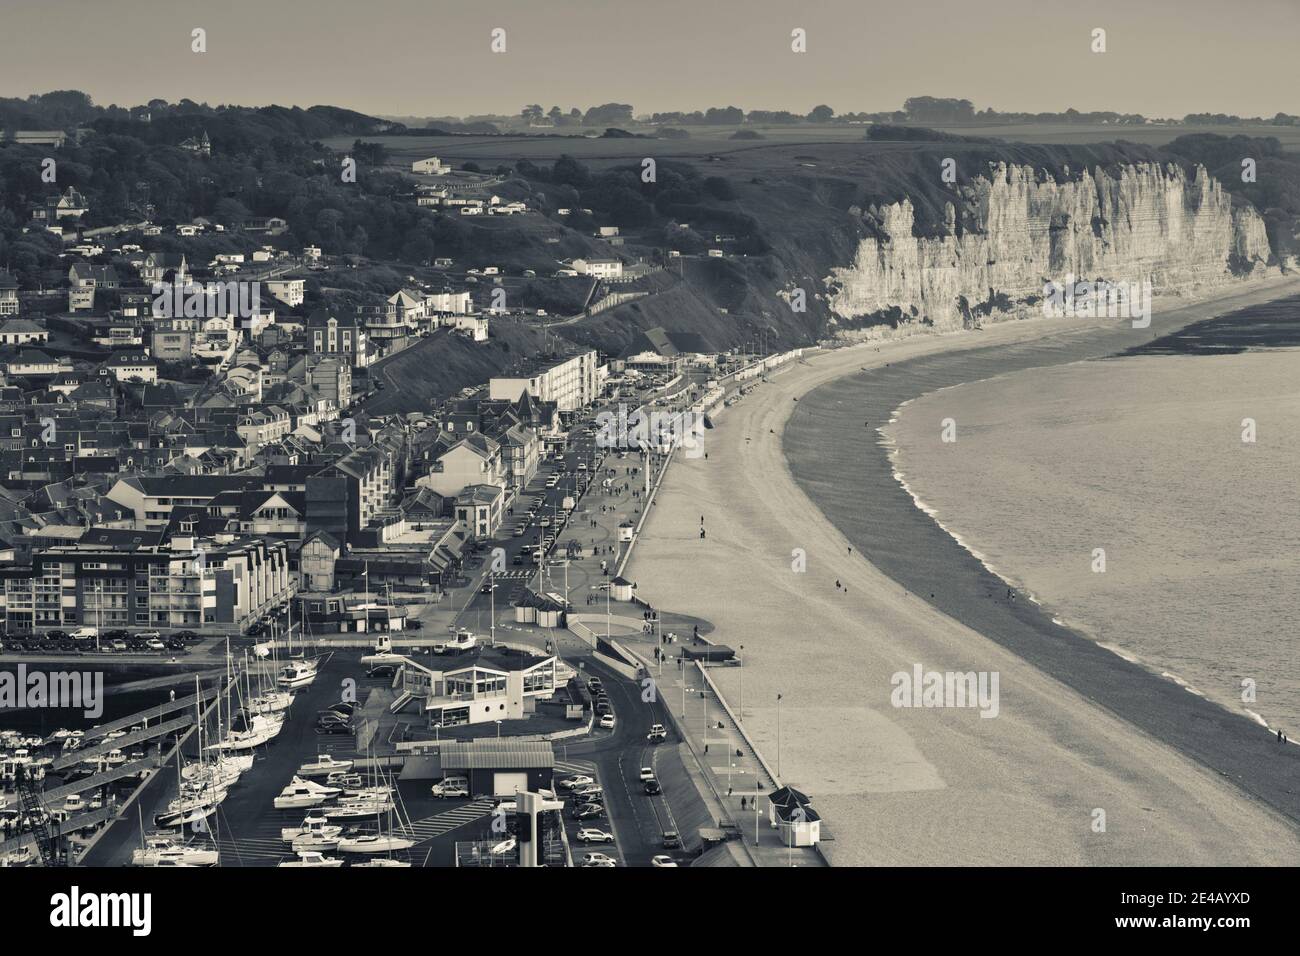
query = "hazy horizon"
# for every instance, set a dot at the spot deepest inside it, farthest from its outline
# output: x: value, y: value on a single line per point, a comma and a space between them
x: 416, y: 58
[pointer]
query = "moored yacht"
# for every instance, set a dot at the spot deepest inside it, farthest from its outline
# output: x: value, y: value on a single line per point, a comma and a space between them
x: 311, y: 824
x: 159, y: 850
x: 374, y: 843
x: 312, y: 858
x: 324, y: 764
x: 300, y: 793
x: 297, y: 674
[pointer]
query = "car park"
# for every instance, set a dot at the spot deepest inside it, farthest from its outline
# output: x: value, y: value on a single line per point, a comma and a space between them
x: 594, y: 835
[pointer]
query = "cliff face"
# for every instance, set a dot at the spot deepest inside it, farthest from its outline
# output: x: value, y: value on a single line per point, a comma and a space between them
x: 1152, y: 223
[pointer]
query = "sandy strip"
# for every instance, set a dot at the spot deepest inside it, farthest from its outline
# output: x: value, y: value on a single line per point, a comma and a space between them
x: 917, y: 786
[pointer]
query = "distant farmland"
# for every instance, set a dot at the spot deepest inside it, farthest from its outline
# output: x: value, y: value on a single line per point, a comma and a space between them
x: 490, y: 151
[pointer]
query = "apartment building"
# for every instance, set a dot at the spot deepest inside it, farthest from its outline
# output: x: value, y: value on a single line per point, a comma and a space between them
x: 571, y: 383
x: 187, y: 584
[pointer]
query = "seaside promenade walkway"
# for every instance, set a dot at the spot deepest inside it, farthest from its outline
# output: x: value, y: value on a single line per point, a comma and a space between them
x: 727, y: 768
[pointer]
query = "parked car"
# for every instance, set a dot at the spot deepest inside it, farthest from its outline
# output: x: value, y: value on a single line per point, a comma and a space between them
x: 118, y: 645
x: 588, y: 811
x: 590, y: 793
x: 580, y: 780
x: 662, y: 860
x: 155, y: 645
x: 451, y: 788
x: 594, y: 835
x: 598, y: 859
x: 334, y: 729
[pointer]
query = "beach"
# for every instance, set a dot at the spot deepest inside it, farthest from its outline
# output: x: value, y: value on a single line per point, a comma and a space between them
x: 795, y: 478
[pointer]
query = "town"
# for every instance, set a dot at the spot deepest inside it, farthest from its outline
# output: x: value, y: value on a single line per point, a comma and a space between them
x: 337, y: 633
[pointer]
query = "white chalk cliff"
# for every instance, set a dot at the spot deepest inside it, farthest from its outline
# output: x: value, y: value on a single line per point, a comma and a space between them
x: 1023, y: 229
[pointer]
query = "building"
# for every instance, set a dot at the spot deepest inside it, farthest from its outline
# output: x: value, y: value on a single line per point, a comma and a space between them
x: 430, y: 167
x: 151, y: 498
x: 791, y: 812
x: 343, y: 338
x: 479, y: 686
x: 288, y: 291
x: 122, y: 579
x: 320, y: 552
x: 521, y: 450
x: 599, y: 268
x: 156, y: 265
x: 448, y: 303
x: 8, y: 294
x: 473, y: 460
x: 132, y: 367
x: 571, y: 383
x: 500, y: 767
x: 480, y: 509
x: 474, y: 327
x: 38, y: 137
x: 22, y: 332
x: 199, y: 145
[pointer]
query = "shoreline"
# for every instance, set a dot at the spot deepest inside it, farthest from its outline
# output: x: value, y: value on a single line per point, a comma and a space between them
x: 917, y: 786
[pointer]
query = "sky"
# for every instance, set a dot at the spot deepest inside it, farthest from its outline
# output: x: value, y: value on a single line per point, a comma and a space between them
x: 433, y: 57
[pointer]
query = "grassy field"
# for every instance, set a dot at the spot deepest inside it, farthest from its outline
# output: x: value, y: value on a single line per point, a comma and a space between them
x: 488, y: 151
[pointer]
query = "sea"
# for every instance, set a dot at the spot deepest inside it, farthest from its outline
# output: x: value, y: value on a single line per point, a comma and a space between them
x: 1149, y: 499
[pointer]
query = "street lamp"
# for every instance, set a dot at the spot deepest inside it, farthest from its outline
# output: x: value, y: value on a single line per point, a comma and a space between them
x: 778, y: 735
x: 742, y: 683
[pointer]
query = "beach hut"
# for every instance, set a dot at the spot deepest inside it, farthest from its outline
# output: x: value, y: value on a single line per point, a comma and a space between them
x: 526, y: 608
x: 625, y: 531
x: 791, y: 813
x: 620, y: 589
x: 549, y: 613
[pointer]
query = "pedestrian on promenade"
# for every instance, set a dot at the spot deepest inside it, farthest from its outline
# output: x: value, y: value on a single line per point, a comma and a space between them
x: 742, y: 804
x: 1279, y: 736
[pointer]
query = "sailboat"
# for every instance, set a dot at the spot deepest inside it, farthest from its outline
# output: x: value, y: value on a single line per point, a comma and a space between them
x: 228, y: 763
x: 381, y: 842
x: 194, y: 802
x: 266, y: 701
